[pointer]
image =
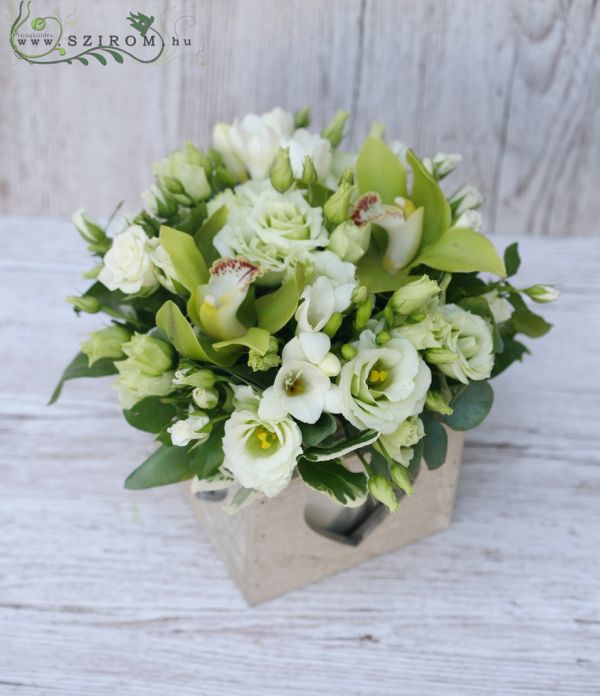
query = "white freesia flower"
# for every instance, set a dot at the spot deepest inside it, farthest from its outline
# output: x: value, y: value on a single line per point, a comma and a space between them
x: 218, y: 301
x: 304, y: 144
x: 501, y: 308
x: 382, y: 386
x: 472, y: 342
x: 253, y: 141
x: 330, y: 292
x: 302, y: 386
x: 472, y: 219
x: 272, y: 230
x: 184, y: 431
x: 260, y: 453
x: 127, y: 264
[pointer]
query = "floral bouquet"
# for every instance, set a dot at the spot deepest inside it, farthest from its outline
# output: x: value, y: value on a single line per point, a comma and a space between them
x: 284, y: 308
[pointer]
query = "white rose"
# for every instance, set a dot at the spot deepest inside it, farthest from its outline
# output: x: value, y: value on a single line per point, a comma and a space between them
x: 261, y: 454
x: 253, y: 141
x: 383, y: 386
x: 471, y: 340
x: 272, y: 230
x: 185, y: 431
x: 127, y: 264
x: 303, y: 144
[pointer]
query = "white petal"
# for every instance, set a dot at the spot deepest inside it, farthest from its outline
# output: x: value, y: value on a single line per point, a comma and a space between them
x: 333, y: 400
x: 270, y: 407
x: 306, y: 408
x: 315, y: 346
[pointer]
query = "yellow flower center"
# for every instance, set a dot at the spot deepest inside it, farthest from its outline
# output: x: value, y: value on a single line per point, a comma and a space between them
x: 263, y: 439
x: 378, y: 376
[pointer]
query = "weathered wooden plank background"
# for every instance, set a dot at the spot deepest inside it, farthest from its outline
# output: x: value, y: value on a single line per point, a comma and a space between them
x: 512, y: 84
x: 108, y: 592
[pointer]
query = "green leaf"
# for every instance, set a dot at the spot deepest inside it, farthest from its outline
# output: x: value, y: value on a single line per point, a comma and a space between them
x: 435, y: 442
x: 205, y: 236
x: 512, y: 260
x: 527, y: 322
x: 207, y: 458
x: 188, y: 263
x: 415, y: 462
x: 427, y: 194
x: 255, y: 339
x: 314, y: 433
x: 379, y: 170
x: 470, y: 406
x: 512, y: 350
x: 79, y: 367
x: 277, y: 308
x: 193, y: 221
x: 166, y: 465
x: 322, y: 454
x: 335, y: 481
x: 151, y: 414
x: 462, y: 250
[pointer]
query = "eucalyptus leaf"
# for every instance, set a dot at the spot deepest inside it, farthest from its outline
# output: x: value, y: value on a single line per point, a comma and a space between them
x: 435, y: 443
x: 379, y: 170
x: 79, y: 367
x: 512, y: 260
x: 152, y: 414
x: 427, y: 194
x: 462, y: 250
x: 335, y: 481
x: 527, y: 322
x: 190, y: 267
x: 470, y: 406
x: 512, y: 350
x: 166, y: 465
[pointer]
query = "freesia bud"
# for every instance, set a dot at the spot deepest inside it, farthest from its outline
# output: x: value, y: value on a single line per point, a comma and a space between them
x: 542, y: 293
x: 302, y: 118
x: 359, y: 295
x: 437, y: 402
x: 309, y: 173
x: 85, y: 304
x: 106, y: 343
x: 337, y: 207
x: 334, y: 131
x: 381, y: 489
x: 348, y: 351
x: 466, y: 198
x: 330, y: 365
x: 205, y: 398
x: 410, y: 297
x: 347, y: 176
x: 383, y: 337
x: 401, y: 478
x: 282, y: 176
x: 189, y: 376
x: 363, y: 313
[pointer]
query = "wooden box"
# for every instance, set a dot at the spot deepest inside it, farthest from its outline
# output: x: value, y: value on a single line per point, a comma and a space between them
x: 280, y: 544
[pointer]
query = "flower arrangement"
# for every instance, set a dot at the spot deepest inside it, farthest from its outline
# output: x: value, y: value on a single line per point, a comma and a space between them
x: 281, y: 304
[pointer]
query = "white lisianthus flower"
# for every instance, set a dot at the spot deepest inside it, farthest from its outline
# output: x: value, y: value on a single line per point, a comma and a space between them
x: 127, y: 264
x: 184, y: 431
x: 302, y: 386
x: 218, y: 301
x: 252, y: 142
x: 330, y: 292
x: 399, y: 443
x: 260, y: 453
x: 272, y: 230
x: 501, y: 308
x: 383, y: 386
x: 303, y: 144
x: 471, y: 341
